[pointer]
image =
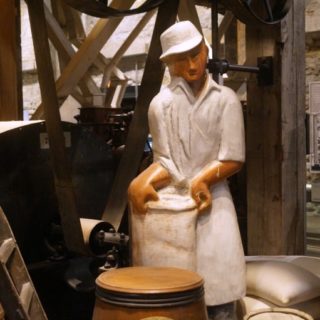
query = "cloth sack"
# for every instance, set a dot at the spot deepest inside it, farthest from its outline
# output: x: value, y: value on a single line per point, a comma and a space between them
x: 166, y: 234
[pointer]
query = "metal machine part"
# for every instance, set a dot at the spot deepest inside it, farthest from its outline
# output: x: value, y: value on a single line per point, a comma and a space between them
x: 103, y: 241
x: 111, y: 124
x: 217, y: 66
x: 258, y: 12
x: 100, y: 236
x: 264, y: 70
x: 26, y: 185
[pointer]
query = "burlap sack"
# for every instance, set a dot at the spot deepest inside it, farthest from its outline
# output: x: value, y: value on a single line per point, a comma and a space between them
x: 166, y: 235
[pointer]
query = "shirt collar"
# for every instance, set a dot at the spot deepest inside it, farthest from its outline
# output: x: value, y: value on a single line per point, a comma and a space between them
x: 181, y: 83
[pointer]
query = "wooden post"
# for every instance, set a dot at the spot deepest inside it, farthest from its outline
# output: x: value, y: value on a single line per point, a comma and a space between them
x: 293, y: 129
x: 10, y: 61
x: 62, y: 171
x: 276, y: 139
x: 138, y: 131
x: 187, y: 11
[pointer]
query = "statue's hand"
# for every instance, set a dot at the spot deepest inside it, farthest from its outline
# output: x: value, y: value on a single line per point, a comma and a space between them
x: 201, y: 195
x: 140, y: 193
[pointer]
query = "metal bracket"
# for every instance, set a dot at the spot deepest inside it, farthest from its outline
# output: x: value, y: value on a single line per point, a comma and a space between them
x: 265, y: 75
x: 264, y: 70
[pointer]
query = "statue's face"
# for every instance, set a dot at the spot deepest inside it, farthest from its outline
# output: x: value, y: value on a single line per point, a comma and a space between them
x: 190, y: 65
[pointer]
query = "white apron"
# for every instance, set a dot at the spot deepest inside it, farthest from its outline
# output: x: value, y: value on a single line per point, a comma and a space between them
x: 189, y: 134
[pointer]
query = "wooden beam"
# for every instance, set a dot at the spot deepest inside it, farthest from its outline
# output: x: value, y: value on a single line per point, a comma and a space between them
x: 77, y: 33
x: 276, y: 139
x: 124, y: 47
x: 187, y: 11
x: 138, y: 131
x: 86, y: 55
x: 264, y: 154
x: 62, y: 172
x: 10, y: 61
x: 230, y: 41
x: 65, y: 49
x: 241, y: 42
x: 225, y: 24
x: 293, y: 130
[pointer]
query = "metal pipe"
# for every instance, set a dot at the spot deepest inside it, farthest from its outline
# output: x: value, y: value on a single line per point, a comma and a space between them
x: 234, y: 67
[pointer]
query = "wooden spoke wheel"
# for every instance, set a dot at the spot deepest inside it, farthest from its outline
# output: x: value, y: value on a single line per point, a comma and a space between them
x: 100, y: 8
x: 258, y: 11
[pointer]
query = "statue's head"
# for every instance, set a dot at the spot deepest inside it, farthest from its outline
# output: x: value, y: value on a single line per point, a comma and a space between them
x: 184, y: 51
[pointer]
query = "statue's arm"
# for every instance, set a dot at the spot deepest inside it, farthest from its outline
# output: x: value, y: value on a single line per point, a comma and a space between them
x: 144, y: 187
x: 210, y: 175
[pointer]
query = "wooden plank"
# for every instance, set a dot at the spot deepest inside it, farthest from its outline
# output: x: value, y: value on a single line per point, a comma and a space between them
x: 66, y: 51
x: 58, y: 13
x: 138, y: 131
x: 72, y: 26
x: 10, y: 61
x: 264, y: 149
x: 124, y: 47
x: 275, y: 140
x: 187, y: 11
x: 231, y: 41
x: 63, y: 183
x: 86, y: 55
x: 293, y: 130
x: 241, y: 43
x: 226, y: 22
x: 70, y: 19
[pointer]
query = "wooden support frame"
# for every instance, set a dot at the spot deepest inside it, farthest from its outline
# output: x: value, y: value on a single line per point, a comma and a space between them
x: 187, y: 11
x: 66, y: 52
x: 86, y: 55
x: 124, y: 47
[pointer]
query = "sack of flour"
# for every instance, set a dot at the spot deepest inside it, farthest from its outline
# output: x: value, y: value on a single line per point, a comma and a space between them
x: 166, y: 234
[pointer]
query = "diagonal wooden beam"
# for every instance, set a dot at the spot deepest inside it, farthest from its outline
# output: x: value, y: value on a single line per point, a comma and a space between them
x: 63, y: 183
x: 65, y: 49
x: 86, y: 55
x: 225, y: 24
x: 124, y: 47
x: 187, y: 11
x: 138, y: 131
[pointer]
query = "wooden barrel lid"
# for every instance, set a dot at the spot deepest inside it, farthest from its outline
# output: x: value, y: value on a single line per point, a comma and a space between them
x: 150, y: 280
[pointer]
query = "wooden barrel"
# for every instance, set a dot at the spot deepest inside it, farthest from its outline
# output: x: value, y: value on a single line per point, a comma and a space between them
x: 138, y: 293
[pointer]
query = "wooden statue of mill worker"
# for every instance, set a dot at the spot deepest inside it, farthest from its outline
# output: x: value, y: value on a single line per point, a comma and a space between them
x: 198, y: 142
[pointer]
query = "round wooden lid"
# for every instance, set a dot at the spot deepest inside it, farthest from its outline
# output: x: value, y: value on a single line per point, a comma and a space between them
x: 149, y: 280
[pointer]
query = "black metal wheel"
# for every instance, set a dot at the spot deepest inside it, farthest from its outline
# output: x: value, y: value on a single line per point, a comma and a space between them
x: 258, y: 11
x: 100, y: 8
